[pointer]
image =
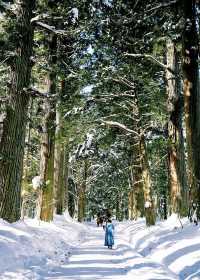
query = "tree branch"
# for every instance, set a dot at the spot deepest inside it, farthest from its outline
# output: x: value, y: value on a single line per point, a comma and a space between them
x: 35, y: 92
x: 120, y: 95
x: 119, y: 125
x: 148, y: 56
x: 164, y: 5
x: 125, y: 82
x: 50, y: 28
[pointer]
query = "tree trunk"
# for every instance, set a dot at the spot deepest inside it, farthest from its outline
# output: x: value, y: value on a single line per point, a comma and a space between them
x: 147, y: 185
x: 136, y: 196
x: 14, y: 126
x: 117, y: 210
x: 48, y: 141
x: 59, y: 165
x: 130, y: 205
x: 136, y: 193
x: 25, y: 181
x: 81, y: 205
x: 81, y: 194
x: 61, y: 159
x: 192, y: 99
x: 59, y: 178
x: 47, y: 165
x: 176, y: 154
x: 65, y: 178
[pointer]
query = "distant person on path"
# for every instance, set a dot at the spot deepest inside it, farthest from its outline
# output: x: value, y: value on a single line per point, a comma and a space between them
x: 99, y: 221
x: 109, y: 234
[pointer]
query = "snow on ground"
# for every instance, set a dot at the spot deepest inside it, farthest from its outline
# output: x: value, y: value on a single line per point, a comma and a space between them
x: 66, y: 250
x: 174, y: 247
x: 30, y: 249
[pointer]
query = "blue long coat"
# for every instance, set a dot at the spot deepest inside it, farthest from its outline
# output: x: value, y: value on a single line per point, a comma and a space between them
x: 109, y: 235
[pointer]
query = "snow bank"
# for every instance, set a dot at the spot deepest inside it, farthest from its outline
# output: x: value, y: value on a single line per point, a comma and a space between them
x: 28, y: 248
x: 174, y: 247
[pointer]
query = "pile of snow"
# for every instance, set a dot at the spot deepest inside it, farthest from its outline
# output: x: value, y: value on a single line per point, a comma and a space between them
x: 29, y: 248
x: 177, y: 249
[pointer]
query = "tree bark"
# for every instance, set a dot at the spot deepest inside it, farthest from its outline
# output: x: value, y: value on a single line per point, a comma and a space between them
x: 59, y: 178
x: 176, y: 153
x: 190, y: 49
x: 136, y: 194
x: 48, y: 140
x: 65, y: 178
x: 130, y: 205
x: 61, y: 159
x: 58, y: 165
x: 14, y: 126
x: 47, y: 165
x: 147, y: 185
x: 81, y: 205
x: 82, y: 195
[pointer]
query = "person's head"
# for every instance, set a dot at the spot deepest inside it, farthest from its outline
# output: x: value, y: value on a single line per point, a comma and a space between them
x: 109, y: 221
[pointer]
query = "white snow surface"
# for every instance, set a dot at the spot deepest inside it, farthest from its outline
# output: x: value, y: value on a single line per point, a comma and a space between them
x: 65, y: 249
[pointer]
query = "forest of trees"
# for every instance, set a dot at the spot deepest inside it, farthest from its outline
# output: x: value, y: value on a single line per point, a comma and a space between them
x: 99, y: 109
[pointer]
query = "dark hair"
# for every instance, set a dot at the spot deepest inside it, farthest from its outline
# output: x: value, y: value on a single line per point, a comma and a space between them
x: 109, y: 221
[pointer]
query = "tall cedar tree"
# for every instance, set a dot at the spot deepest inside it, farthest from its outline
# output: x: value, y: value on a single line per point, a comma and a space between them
x: 14, y: 126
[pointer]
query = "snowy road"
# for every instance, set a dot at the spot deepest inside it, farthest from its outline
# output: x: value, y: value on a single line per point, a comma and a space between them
x: 67, y: 250
x: 93, y: 261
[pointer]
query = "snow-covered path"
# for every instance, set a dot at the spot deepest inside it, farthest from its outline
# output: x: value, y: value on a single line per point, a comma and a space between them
x: 67, y: 250
x: 92, y: 261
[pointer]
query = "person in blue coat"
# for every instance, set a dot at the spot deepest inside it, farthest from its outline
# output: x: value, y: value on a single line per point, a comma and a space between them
x: 109, y: 234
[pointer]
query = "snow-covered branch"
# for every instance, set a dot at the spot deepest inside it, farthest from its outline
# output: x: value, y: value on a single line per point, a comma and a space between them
x: 120, y: 126
x: 124, y: 81
x: 50, y: 28
x: 119, y: 95
x: 163, y: 5
x: 36, y: 93
x: 149, y: 56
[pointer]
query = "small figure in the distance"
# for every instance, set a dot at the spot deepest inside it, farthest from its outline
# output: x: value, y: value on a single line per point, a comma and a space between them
x: 109, y: 234
x: 99, y: 221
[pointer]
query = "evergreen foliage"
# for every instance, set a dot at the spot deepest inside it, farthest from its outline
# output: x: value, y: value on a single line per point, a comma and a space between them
x: 98, y: 107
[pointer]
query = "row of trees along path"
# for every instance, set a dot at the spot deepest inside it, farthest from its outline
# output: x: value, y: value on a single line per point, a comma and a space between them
x: 97, y: 100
